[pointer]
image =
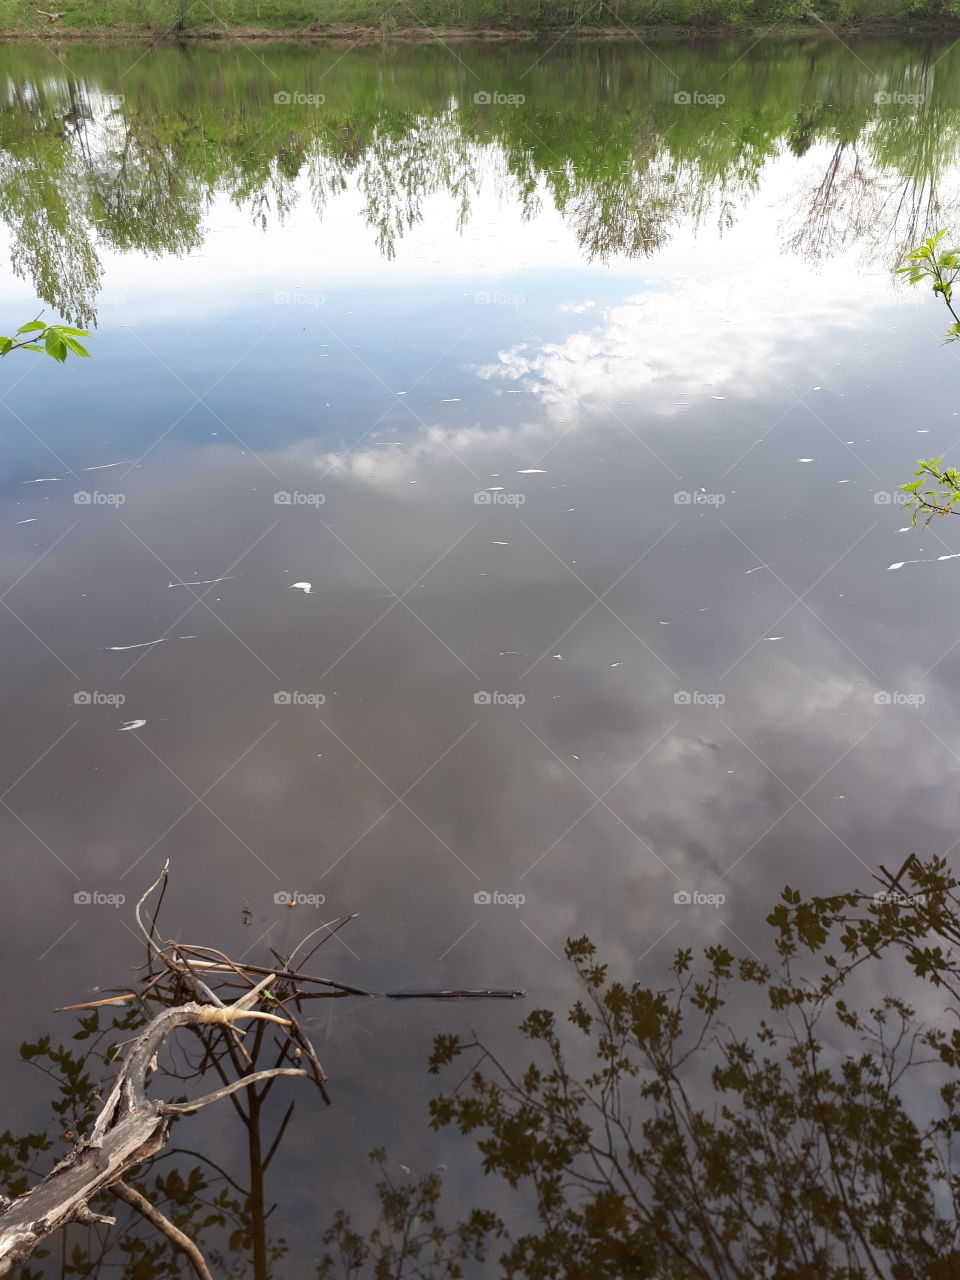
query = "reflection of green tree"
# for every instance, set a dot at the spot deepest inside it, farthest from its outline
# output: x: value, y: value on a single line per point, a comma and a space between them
x: 747, y: 1119
x: 43, y: 203
x: 599, y: 135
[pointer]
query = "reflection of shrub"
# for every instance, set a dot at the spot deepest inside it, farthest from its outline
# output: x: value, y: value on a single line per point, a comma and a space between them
x: 744, y: 1120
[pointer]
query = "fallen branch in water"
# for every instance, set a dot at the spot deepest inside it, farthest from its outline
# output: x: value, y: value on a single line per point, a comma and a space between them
x: 130, y: 1128
x: 209, y: 993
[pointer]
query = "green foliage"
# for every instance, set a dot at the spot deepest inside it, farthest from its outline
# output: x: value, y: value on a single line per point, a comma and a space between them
x: 83, y: 175
x: 56, y: 339
x: 180, y: 16
x: 927, y: 263
x: 929, y: 502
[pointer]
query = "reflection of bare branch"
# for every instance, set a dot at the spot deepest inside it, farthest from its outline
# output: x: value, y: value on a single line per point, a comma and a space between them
x: 881, y: 209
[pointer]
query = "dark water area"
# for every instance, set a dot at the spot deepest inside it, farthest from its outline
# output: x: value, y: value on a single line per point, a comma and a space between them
x: 467, y: 499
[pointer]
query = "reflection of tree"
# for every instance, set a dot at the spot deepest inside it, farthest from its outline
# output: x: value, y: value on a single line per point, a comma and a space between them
x: 43, y: 203
x: 600, y: 135
x: 883, y: 188
x: 791, y: 1119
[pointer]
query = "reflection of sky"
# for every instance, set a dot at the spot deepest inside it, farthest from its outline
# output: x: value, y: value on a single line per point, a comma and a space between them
x: 599, y: 600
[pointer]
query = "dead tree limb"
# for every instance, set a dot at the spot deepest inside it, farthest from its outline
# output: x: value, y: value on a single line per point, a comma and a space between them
x: 130, y: 1128
x: 193, y: 985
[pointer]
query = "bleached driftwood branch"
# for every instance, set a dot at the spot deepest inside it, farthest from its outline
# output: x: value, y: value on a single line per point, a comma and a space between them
x: 130, y: 1128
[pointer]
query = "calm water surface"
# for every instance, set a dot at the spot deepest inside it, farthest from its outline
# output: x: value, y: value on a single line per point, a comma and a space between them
x: 579, y: 416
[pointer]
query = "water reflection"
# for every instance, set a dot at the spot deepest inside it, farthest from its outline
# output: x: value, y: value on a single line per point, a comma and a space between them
x: 664, y: 344
x: 103, y: 153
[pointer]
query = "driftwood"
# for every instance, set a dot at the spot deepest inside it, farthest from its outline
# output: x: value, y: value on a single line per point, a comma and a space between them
x: 188, y: 982
x: 130, y: 1128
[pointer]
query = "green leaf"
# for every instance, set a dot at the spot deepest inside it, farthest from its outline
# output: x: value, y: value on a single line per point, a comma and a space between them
x: 55, y: 345
x: 33, y: 327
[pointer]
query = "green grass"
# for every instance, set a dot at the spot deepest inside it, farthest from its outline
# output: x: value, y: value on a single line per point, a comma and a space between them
x: 197, y: 17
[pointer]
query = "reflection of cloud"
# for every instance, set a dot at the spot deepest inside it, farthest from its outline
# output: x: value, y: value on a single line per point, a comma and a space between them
x: 689, y: 339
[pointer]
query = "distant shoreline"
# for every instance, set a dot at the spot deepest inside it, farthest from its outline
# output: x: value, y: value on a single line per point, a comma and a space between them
x: 374, y: 33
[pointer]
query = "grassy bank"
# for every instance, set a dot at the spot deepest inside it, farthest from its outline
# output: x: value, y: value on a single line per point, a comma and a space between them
x: 428, y: 19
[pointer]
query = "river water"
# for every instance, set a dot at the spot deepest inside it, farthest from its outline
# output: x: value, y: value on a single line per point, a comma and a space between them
x: 477, y: 515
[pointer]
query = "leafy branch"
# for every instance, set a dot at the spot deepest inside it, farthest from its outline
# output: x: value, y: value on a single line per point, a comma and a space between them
x: 937, y: 502
x: 57, y: 340
x: 924, y: 263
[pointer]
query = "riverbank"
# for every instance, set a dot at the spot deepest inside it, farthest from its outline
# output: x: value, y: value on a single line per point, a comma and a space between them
x: 366, y: 21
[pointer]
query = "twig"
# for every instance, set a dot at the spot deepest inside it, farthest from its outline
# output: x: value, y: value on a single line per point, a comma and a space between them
x: 184, y: 1108
x: 173, y: 1233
